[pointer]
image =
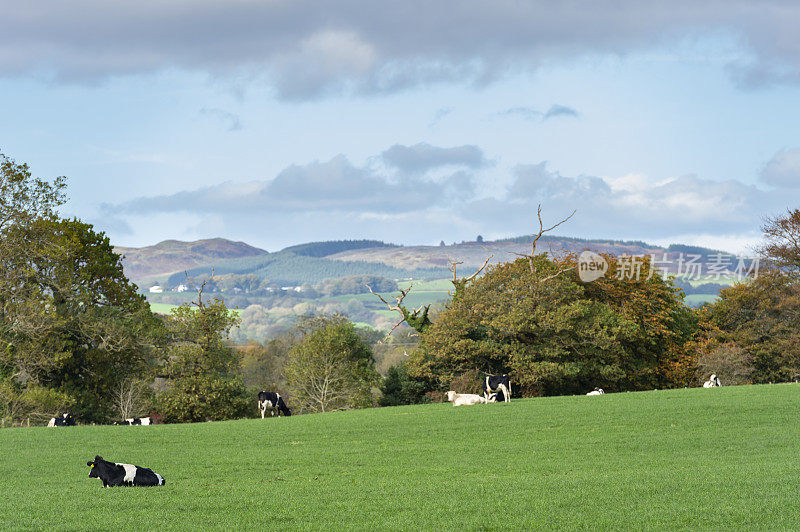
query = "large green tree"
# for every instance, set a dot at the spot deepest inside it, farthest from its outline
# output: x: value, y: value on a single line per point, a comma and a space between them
x: 533, y: 318
x: 70, y: 321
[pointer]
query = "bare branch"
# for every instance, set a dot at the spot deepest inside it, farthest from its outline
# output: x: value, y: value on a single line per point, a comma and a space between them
x: 396, y: 308
x: 479, y: 270
x: 542, y: 230
x: 559, y: 272
x: 452, y: 267
x: 198, y: 290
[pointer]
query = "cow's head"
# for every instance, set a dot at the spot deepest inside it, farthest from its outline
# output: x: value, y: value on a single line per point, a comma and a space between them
x: 94, y: 471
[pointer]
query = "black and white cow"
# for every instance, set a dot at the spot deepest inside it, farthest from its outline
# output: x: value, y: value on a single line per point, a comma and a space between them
x: 134, y: 421
x: 64, y: 420
x: 113, y: 474
x: 495, y: 385
x: 596, y: 391
x: 272, y: 401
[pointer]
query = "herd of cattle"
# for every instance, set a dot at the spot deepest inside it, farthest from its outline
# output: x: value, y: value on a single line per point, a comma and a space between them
x: 496, y: 388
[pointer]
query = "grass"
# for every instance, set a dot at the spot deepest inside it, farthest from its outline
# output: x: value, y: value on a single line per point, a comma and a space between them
x: 719, y: 458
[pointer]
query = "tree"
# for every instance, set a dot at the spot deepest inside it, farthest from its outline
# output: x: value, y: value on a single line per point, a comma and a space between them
x: 131, y: 398
x: 534, y: 319
x: 761, y: 318
x: 70, y: 319
x: 24, y: 198
x: 332, y: 368
x: 781, y: 247
x: 201, y: 366
x: 398, y: 388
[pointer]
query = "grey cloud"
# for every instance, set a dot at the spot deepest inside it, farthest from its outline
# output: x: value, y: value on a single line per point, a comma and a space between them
x: 440, y: 114
x: 422, y: 157
x: 631, y: 206
x: 231, y: 120
x: 305, y: 49
x: 559, y: 110
x: 337, y: 199
x: 536, y: 181
x: 529, y: 113
x: 324, y: 187
x: 783, y: 170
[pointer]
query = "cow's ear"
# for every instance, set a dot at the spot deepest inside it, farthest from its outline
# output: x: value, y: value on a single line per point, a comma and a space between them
x: 97, y: 458
x: 90, y: 464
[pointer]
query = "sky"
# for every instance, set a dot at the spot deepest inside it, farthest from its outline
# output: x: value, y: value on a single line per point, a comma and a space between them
x: 279, y: 122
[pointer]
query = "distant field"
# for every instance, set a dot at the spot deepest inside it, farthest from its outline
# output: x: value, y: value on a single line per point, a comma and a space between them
x: 695, y: 300
x: 705, y: 279
x: 724, y: 458
x: 164, y: 308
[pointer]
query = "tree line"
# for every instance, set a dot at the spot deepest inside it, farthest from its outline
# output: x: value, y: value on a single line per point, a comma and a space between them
x: 75, y: 334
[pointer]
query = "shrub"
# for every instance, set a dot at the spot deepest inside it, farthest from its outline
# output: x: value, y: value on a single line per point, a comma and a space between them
x: 204, y: 398
x: 398, y: 388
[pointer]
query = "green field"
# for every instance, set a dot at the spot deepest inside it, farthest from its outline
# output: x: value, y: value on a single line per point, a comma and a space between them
x: 165, y: 308
x: 719, y: 458
x: 696, y: 300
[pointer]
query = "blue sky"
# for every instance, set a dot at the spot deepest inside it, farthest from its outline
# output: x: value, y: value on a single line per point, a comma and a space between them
x: 282, y: 122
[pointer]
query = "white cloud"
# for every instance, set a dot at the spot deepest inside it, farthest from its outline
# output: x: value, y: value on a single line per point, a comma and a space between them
x: 783, y: 170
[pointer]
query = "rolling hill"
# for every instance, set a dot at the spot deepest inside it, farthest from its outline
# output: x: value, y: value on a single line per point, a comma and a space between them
x: 316, y: 261
x: 723, y: 458
x: 147, y: 263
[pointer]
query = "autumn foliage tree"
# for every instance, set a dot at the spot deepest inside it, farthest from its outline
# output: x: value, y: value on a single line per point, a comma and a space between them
x: 760, y: 320
x: 534, y: 319
x: 781, y: 246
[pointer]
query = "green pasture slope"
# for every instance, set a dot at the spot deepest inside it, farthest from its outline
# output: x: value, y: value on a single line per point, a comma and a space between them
x: 719, y: 458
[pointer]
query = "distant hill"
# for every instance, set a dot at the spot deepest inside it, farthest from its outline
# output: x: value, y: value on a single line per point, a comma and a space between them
x: 170, y: 256
x: 473, y: 254
x: 323, y: 249
x: 288, y: 268
x: 316, y: 261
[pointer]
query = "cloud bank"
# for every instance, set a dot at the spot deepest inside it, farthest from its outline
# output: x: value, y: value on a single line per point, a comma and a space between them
x: 305, y: 49
x: 422, y: 193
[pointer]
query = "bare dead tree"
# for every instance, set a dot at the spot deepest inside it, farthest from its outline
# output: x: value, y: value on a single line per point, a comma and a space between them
x: 416, y: 318
x: 129, y: 398
x: 199, y: 290
x: 542, y: 230
x: 460, y: 284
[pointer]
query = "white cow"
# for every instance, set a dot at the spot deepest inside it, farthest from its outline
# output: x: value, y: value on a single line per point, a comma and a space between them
x: 596, y: 391
x: 459, y: 399
x: 712, y: 382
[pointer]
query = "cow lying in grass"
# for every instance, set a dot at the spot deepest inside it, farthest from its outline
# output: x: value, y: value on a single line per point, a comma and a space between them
x: 64, y: 420
x: 459, y: 399
x: 134, y: 421
x: 113, y: 474
x: 272, y: 401
x: 596, y: 391
x: 712, y: 382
